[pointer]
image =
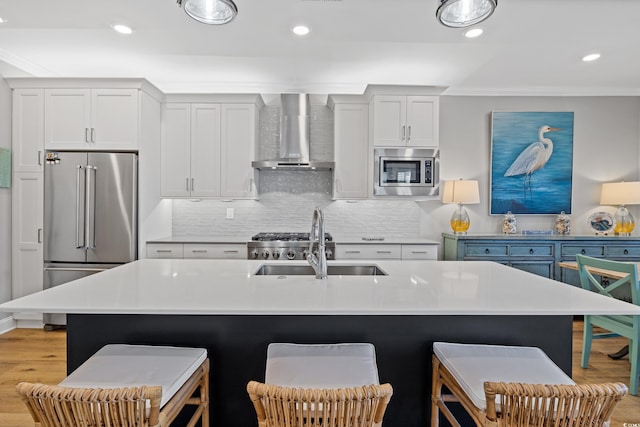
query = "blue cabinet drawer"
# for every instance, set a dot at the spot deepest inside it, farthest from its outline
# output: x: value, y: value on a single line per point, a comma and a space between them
x: 572, y: 250
x: 623, y: 251
x: 531, y: 250
x: 476, y: 250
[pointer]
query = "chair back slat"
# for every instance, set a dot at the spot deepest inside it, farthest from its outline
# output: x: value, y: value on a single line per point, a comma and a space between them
x: 55, y: 406
x: 278, y: 406
x: 624, y: 288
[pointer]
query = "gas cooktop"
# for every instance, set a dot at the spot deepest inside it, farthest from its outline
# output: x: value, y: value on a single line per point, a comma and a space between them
x: 286, y: 237
x: 285, y: 246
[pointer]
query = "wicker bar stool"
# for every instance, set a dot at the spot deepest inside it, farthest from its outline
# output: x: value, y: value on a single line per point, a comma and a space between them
x: 320, y: 385
x: 131, y: 385
x: 510, y: 386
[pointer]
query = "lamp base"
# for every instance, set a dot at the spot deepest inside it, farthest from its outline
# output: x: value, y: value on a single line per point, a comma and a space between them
x: 460, y: 220
x: 625, y: 223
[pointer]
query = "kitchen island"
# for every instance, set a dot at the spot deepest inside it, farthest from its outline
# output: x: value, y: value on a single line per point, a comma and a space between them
x: 223, y: 306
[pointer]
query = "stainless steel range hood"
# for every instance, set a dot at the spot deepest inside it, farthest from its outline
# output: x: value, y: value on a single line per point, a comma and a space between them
x: 294, y: 137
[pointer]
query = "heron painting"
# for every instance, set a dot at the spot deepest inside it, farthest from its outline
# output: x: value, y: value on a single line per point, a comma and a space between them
x: 531, y: 162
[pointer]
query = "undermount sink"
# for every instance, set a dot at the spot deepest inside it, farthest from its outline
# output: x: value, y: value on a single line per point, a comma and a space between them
x: 307, y: 270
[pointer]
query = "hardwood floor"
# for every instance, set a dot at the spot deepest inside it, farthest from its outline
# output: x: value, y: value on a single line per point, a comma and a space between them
x: 38, y: 356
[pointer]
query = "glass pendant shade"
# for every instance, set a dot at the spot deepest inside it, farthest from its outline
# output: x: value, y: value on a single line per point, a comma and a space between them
x: 214, y: 12
x: 464, y: 13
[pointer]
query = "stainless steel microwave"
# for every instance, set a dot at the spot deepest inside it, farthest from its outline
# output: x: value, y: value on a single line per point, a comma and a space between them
x: 406, y: 172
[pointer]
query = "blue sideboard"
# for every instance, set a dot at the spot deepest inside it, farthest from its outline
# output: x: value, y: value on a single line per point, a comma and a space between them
x: 539, y: 254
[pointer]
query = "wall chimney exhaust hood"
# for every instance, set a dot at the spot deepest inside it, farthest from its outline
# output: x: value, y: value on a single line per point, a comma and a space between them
x: 294, y: 137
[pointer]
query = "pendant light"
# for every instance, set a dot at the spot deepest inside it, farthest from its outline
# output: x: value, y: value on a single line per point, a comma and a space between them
x: 214, y: 12
x: 464, y: 13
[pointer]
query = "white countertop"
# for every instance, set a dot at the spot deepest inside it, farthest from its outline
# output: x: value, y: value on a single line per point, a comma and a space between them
x: 177, y: 286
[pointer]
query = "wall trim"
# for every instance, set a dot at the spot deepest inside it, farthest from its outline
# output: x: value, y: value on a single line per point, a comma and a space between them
x: 7, y: 324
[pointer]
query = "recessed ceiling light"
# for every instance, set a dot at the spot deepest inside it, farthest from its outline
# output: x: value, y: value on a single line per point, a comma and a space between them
x: 474, y: 32
x: 2, y: 20
x: 122, y: 29
x: 301, y: 30
x: 591, y: 57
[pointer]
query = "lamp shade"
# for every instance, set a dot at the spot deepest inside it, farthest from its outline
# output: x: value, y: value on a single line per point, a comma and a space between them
x: 461, y: 191
x: 620, y: 193
x: 464, y: 13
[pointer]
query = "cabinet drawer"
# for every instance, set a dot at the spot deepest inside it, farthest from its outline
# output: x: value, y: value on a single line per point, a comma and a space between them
x: 164, y: 250
x: 531, y: 250
x: 476, y: 250
x: 368, y: 251
x: 623, y: 251
x: 215, y: 251
x: 572, y: 250
x: 419, y: 252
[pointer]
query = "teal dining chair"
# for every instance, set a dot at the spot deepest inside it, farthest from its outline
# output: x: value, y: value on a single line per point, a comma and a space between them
x: 626, y: 288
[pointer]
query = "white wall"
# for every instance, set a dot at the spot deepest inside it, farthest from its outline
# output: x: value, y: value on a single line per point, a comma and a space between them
x: 5, y: 199
x: 606, y: 147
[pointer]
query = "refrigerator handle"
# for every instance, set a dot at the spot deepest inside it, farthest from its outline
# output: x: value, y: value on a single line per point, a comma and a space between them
x: 79, y: 210
x: 90, y: 219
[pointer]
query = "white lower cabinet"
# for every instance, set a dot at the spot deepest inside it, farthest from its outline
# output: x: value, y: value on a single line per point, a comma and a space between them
x: 386, y: 251
x: 197, y: 250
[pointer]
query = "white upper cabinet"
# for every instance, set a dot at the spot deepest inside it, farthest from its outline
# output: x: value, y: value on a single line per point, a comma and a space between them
x: 405, y: 121
x: 27, y: 130
x: 207, y: 149
x: 351, y: 139
x: 91, y: 119
x: 239, y: 135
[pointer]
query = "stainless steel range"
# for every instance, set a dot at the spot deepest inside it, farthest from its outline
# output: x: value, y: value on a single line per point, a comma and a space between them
x: 285, y: 246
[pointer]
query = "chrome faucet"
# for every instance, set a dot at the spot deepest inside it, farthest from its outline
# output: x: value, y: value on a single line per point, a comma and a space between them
x: 318, y: 259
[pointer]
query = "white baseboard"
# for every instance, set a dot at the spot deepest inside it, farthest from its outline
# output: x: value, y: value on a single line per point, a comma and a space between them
x: 7, y: 324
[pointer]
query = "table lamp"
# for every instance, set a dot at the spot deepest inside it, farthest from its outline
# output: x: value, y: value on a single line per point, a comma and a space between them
x: 622, y: 194
x: 462, y: 192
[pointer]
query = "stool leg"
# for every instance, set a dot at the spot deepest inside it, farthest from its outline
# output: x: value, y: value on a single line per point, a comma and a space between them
x: 204, y: 395
x: 436, y: 391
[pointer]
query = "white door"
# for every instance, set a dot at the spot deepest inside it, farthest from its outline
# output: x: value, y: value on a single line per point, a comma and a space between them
x: 389, y: 115
x: 114, y: 119
x: 28, y: 130
x: 422, y: 121
x: 67, y: 119
x: 239, y: 133
x: 205, y: 150
x: 175, y: 177
x: 351, y: 140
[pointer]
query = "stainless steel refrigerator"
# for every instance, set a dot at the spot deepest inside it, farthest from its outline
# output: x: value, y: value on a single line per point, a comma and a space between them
x: 90, y: 223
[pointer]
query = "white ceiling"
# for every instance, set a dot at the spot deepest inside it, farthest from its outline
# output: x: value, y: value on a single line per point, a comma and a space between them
x: 529, y: 46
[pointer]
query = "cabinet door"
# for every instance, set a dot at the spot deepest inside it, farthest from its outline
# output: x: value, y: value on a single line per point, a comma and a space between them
x: 175, y: 178
x: 239, y: 133
x: 351, y: 151
x: 26, y: 225
x: 422, y: 121
x: 28, y: 130
x: 205, y: 150
x: 389, y: 116
x: 67, y: 119
x: 114, y: 119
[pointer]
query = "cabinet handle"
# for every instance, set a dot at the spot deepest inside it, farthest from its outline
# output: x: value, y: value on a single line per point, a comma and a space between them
x: 93, y: 135
x: 231, y: 252
x: 352, y: 252
x: 626, y: 252
x: 418, y: 252
x: 583, y: 252
x: 199, y: 251
x: 164, y: 251
x: 486, y: 251
x: 39, y: 158
x: 39, y: 235
x: 530, y: 251
x: 192, y: 184
x: 403, y: 131
x: 86, y: 134
x: 187, y: 184
x: 383, y: 252
x: 409, y: 133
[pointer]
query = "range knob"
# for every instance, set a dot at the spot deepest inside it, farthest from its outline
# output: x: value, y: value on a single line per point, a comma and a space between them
x: 276, y: 254
x: 305, y: 253
x: 253, y: 254
x: 265, y: 254
x: 329, y: 253
x: 291, y: 254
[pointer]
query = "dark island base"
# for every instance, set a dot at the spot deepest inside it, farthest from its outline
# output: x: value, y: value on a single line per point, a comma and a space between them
x: 237, y: 348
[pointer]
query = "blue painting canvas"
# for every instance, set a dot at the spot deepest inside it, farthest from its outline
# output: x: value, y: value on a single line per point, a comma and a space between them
x: 531, y: 162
